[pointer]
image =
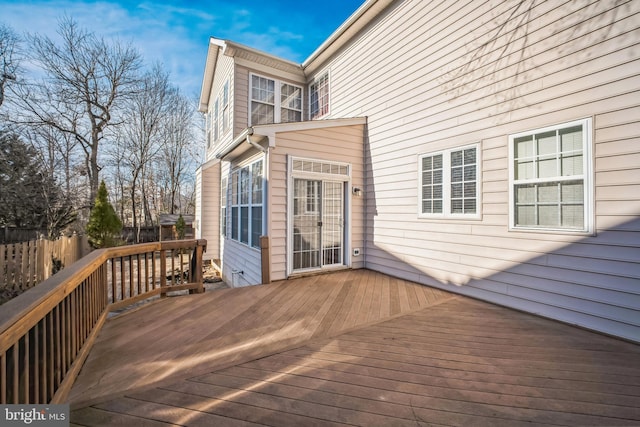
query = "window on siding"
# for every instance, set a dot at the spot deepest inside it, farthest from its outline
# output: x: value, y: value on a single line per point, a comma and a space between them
x: 225, y: 107
x: 223, y: 207
x: 246, y: 204
x: 449, y: 184
x: 262, y: 100
x: 216, y: 133
x: 319, y: 97
x: 265, y: 109
x: 209, y: 136
x: 290, y: 103
x: 549, y: 170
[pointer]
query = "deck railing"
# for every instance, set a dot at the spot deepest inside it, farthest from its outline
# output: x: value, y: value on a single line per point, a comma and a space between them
x: 47, y: 332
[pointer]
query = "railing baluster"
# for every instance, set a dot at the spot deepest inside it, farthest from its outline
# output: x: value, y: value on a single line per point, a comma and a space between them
x: 163, y: 274
x: 154, y: 284
x: 43, y: 355
x: 138, y: 274
x: 16, y: 372
x: 43, y: 362
x: 3, y: 378
x: 113, y: 280
x: 146, y: 271
x: 51, y: 361
x: 36, y: 363
x: 25, y: 361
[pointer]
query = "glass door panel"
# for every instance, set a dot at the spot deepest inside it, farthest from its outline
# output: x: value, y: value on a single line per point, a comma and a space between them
x: 318, y: 216
x: 306, y: 223
x: 332, y: 212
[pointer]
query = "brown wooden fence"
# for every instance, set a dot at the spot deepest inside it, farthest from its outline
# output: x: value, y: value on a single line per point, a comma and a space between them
x: 24, y: 265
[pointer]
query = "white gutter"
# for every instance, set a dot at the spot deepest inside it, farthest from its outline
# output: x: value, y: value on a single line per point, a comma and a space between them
x: 255, y: 144
x: 235, y: 143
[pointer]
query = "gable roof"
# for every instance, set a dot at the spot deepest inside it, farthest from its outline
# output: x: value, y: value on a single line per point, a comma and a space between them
x: 241, y: 54
x: 365, y: 14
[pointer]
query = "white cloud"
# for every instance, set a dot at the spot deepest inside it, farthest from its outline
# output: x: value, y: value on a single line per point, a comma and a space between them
x: 176, y: 33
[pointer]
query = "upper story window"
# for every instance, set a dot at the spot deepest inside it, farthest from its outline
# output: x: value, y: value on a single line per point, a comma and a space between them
x: 209, y: 128
x: 319, y: 97
x: 549, y: 171
x: 218, y: 119
x: 273, y: 101
x: 216, y: 129
x: 290, y: 103
x: 225, y: 106
x: 449, y: 183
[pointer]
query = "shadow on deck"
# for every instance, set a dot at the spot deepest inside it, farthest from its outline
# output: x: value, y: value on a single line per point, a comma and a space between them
x: 352, y: 347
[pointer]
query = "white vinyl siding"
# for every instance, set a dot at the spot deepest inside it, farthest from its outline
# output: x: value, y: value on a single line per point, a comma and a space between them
x: 342, y: 144
x: 448, y: 183
x: 550, y: 185
x: 440, y: 85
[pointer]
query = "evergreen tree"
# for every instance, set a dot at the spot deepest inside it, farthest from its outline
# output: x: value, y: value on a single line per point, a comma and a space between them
x: 29, y: 196
x: 180, y: 227
x: 104, y: 226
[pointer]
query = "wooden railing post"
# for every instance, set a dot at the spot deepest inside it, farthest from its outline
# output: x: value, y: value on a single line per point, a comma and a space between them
x: 163, y: 273
x: 265, y: 253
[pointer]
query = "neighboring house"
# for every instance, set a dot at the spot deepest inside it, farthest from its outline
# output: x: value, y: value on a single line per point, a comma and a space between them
x: 168, y: 229
x: 488, y: 148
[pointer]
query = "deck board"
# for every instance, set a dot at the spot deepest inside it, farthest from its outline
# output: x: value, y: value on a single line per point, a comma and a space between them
x: 353, y: 347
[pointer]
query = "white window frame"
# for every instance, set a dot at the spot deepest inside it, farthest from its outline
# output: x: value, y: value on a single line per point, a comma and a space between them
x: 586, y: 176
x: 238, y: 203
x: 215, y: 121
x: 223, y: 206
x: 323, y: 170
x: 225, y: 107
x: 209, y: 126
x: 313, y: 115
x: 446, y: 184
x: 277, y: 102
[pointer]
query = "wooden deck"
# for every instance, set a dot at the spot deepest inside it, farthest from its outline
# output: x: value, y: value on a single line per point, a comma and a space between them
x: 351, y: 348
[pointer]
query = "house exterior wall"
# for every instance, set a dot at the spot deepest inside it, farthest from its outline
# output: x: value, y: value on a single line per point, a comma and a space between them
x: 241, y: 111
x: 224, y: 73
x: 338, y: 144
x: 241, y: 264
x: 207, y: 216
x: 432, y: 76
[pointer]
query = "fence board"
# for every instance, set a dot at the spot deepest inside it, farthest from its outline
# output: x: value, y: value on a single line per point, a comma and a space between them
x: 23, y: 265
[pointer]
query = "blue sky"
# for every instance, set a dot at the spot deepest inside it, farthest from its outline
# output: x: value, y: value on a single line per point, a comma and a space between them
x: 176, y: 33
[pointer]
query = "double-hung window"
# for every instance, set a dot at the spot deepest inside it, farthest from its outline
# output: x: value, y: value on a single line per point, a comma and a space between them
x: 246, y: 204
x: 215, y: 121
x: 225, y: 107
x: 319, y: 97
x: 449, y: 183
x: 273, y: 101
x: 549, y: 178
x: 223, y: 207
x: 209, y: 125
